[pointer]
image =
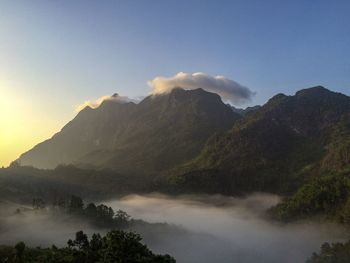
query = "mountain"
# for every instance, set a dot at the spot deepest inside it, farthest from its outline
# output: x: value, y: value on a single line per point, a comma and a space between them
x: 158, y: 133
x: 276, y: 147
x: 245, y: 111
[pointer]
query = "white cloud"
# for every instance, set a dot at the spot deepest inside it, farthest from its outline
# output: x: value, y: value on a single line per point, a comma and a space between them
x: 96, y: 103
x: 229, y: 90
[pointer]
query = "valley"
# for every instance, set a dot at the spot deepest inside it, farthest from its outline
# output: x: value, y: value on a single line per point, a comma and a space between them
x: 294, y: 151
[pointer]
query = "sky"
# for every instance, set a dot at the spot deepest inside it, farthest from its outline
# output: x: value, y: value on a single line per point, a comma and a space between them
x: 54, y: 55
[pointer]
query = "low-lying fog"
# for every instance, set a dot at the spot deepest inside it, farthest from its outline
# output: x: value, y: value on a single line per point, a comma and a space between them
x: 229, y: 229
x: 211, y: 229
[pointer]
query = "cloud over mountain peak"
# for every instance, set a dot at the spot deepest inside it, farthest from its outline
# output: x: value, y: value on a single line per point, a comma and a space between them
x: 96, y: 103
x: 229, y: 90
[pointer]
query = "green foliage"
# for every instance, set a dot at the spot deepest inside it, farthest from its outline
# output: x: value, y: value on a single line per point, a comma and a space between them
x: 98, y: 215
x: 116, y: 247
x: 338, y: 150
x: 327, y: 196
x: 20, y: 247
x: 75, y: 204
x: 335, y: 253
x: 279, y: 146
x: 22, y: 183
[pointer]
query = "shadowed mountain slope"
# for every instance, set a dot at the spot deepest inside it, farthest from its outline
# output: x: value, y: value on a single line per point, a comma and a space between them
x: 158, y: 133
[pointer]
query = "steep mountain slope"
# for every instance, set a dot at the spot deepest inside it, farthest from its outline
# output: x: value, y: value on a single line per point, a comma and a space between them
x: 158, y: 133
x: 90, y: 130
x: 245, y: 111
x: 272, y: 148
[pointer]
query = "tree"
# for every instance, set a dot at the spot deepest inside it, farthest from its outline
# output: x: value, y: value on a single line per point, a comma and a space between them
x: 116, y: 247
x: 76, y: 204
x: 81, y: 241
x: 38, y: 204
x: 104, y: 214
x: 91, y: 210
x: 20, y: 247
x: 122, y: 219
x: 126, y: 247
x: 334, y: 253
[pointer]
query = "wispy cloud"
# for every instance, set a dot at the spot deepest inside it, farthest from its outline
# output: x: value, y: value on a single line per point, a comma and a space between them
x: 229, y: 90
x: 96, y: 103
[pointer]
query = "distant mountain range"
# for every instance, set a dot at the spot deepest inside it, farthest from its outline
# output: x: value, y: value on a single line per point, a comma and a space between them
x: 190, y: 141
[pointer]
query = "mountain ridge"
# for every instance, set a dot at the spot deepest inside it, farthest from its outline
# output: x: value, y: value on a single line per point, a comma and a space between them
x: 121, y: 135
x: 191, y: 141
x: 273, y: 149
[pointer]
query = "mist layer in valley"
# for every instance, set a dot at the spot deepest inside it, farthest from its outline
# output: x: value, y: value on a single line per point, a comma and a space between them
x: 199, y: 228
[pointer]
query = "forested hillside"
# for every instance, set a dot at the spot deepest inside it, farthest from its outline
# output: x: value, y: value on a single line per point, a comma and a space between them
x: 276, y: 148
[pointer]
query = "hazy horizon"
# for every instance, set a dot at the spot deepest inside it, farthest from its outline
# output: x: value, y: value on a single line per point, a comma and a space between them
x: 197, y: 228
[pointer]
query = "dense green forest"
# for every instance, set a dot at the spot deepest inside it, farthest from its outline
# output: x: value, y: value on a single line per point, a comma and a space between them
x: 120, y: 244
x: 115, y: 246
x: 327, y: 197
x: 23, y: 183
x: 98, y: 215
x: 276, y: 148
x: 334, y: 253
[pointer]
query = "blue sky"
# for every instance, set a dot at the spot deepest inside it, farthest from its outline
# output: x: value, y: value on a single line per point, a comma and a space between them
x: 57, y: 54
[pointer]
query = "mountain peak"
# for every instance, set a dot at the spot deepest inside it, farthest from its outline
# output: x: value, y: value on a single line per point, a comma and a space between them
x: 185, y: 96
x: 312, y: 91
x: 188, y: 91
x: 155, y: 134
x: 179, y: 92
x: 277, y: 98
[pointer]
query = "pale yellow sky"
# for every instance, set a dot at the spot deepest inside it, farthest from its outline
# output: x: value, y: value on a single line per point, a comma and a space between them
x: 23, y: 123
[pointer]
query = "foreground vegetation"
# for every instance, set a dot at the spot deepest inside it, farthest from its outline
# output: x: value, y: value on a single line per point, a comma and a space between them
x: 97, y: 215
x: 118, y: 245
x: 335, y: 253
x: 115, y: 246
x: 326, y: 197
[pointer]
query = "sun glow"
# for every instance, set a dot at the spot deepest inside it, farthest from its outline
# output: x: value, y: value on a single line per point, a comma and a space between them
x: 21, y: 125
